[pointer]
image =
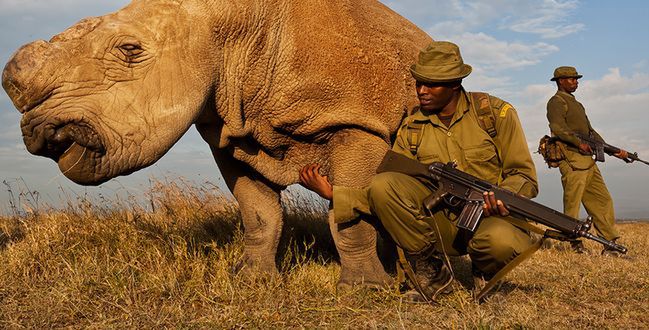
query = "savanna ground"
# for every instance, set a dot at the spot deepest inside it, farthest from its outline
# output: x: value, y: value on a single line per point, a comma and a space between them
x: 167, y: 264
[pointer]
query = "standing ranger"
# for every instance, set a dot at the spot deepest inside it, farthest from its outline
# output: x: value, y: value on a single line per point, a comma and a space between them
x: 581, y: 179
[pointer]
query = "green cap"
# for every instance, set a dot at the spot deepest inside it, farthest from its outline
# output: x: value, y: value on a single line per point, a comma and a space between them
x: 440, y: 61
x: 565, y: 72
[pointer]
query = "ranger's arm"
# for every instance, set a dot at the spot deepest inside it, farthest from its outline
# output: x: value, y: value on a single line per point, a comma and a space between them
x: 593, y: 133
x: 348, y: 203
x: 518, y: 171
x: 557, y: 109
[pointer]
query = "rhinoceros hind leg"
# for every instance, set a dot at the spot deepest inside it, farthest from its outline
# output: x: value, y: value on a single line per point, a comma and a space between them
x: 355, y: 156
x: 356, y: 244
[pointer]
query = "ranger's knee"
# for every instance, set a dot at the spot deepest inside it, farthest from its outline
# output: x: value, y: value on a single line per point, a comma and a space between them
x: 491, y: 252
x: 381, y: 188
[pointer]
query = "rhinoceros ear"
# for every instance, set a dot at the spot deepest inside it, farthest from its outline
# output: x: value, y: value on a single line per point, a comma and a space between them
x: 78, y: 30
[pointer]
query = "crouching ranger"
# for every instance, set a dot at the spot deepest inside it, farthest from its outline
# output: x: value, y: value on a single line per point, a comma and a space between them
x: 483, y: 136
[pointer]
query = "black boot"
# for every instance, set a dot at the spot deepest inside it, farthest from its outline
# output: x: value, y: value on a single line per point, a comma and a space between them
x: 432, y: 276
x: 480, y: 280
x: 578, y: 246
x: 610, y: 252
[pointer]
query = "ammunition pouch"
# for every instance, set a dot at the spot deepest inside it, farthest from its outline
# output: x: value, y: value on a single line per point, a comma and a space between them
x: 552, y: 150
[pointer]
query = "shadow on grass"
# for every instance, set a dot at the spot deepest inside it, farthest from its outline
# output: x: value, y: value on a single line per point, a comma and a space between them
x: 203, y: 235
x: 10, y: 235
x: 305, y: 238
x: 462, y: 271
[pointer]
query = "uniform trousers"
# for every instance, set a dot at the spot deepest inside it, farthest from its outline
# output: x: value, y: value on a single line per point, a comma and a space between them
x: 587, y: 187
x: 396, y: 199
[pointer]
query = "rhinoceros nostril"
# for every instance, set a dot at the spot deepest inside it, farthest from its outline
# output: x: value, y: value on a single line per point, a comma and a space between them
x: 58, y: 141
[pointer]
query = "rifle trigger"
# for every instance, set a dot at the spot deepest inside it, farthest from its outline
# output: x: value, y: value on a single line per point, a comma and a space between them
x: 452, y: 200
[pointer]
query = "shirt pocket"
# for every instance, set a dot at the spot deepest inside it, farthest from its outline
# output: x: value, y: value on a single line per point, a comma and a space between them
x: 428, y: 152
x: 482, y: 161
x: 428, y: 158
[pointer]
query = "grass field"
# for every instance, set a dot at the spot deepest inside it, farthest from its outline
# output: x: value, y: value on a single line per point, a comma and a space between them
x: 118, y: 264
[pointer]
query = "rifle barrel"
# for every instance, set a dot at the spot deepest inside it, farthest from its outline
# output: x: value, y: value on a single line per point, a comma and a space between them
x: 634, y: 157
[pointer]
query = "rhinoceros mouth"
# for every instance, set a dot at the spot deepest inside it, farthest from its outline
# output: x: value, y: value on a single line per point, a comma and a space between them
x: 60, y: 142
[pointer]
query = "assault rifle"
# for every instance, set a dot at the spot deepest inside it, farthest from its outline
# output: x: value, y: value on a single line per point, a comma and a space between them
x: 600, y: 147
x: 460, y: 189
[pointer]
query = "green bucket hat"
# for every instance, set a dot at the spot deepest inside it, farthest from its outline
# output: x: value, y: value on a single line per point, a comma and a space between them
x: 565, y: 72
x: 440, y: 61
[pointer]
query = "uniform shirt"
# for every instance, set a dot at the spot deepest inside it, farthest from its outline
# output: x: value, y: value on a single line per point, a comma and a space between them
x: 504, y: 160
x: 568, y: 116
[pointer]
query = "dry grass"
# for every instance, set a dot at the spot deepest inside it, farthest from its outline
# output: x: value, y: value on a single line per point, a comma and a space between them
x: 116, y: 264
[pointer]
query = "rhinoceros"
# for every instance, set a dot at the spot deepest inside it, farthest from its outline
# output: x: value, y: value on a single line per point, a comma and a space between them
x: 270, y: 85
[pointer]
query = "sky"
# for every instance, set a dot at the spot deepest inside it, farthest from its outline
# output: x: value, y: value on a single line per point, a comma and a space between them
x: 513, y: 46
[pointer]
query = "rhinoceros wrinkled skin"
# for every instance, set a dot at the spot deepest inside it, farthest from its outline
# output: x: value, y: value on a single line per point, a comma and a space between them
x: 270, y: 85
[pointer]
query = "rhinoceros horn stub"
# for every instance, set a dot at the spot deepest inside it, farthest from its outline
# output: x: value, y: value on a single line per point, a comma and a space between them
x: 22, y: 79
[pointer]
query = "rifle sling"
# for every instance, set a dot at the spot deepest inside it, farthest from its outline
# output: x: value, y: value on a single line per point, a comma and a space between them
x: 521, y: 257
x: 396, y: 162
x: 404, y: 270
x: 482, y: 107
x: 509, y: 267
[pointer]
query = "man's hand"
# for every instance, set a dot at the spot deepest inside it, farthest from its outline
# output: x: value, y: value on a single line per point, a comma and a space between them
x: 492, y: 206
x: 623, y: 155
x: 585, y: 149
x: 311, y: 179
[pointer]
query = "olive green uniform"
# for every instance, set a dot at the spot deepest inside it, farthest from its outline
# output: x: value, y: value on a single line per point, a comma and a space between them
x: 396, y: 199
x: 581, y: 179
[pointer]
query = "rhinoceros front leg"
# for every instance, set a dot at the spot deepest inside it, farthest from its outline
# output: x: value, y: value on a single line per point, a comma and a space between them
x: 354, y: 159
x: 261, y: 213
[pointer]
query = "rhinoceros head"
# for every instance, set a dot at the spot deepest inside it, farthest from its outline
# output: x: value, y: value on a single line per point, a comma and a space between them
x: 112, y: 94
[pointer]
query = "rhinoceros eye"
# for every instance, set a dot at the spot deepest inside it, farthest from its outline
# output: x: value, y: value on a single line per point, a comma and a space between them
x: 131, y: 50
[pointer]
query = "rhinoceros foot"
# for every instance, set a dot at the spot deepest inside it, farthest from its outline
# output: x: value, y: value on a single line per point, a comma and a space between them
x: 254, y: 267
x: 365, y: 274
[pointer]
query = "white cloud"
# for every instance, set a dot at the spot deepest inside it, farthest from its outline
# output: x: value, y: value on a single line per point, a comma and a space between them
x: 538, y: 26
x: 642, y: 65
x: 617, y: 108
x: 491, y: 57
x: 479, y: 80
x: 614, y: 83
x: 492, y: 54
x: 546, y: 18
x: 477, y: 27
x: 21, y: 6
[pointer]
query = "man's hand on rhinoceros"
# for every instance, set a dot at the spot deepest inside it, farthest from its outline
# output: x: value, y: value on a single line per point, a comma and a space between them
x: 310, y: 178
